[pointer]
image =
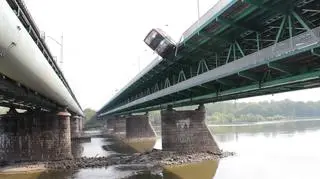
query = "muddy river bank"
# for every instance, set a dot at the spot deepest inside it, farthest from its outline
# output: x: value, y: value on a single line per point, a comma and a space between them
x: 151, y: 160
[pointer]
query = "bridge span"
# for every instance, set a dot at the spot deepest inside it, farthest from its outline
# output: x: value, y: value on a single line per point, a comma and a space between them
x: 238, y: 49
x: 30, y: 79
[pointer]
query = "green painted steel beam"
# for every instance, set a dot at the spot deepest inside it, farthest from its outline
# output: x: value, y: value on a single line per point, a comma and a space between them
x: 258, y: 41
x: 288, y: 69
x: 246, y: 13
x: 282, y: 68
x: 283, y: 8
x: 206, y: 23
x: 240, y: 49
x: 229, y: 53
x: 242, y: 15
x: 236, y: 24
x: 209, y: 87
x: 248, y: 75
x: 275, y: 58
x: 234, y: 52
x: 226, y: 82
x: 193, y: 47
x: 194, y: 90
x: 218, y: 37
x: 315, y: 52
x: 305, y: 24
x: 271, y: 86
x: 280, y: 30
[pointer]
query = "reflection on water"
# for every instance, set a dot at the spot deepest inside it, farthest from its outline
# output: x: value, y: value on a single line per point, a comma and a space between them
x: 130, y: 147
x: 43, y: 175
x: 203, y: 170
x: 268, y: 151
x: 142, y: 146
x: 269, y: 129
x: 18, y: 176
x: 97, y: 173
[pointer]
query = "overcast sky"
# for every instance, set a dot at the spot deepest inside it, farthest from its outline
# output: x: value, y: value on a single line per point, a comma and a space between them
x: 103, y: 41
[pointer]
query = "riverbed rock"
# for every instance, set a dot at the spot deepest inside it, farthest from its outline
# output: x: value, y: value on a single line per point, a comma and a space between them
x: 154, y: 158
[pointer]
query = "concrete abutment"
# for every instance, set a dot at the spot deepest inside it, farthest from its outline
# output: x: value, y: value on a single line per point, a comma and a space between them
x: 35, y: 136
x: 186, y: 131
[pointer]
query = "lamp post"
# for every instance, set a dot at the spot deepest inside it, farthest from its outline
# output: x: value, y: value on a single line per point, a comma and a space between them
x: 61, y: 48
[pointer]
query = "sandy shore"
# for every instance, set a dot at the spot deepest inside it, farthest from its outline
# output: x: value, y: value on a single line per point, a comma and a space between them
x: 22, y: 168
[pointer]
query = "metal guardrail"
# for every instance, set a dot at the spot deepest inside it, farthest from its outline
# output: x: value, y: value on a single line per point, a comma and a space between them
x: 214, y: 12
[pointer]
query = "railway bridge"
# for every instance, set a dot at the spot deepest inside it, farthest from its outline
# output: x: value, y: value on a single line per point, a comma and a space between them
x: 31, y: 80
x: 238, y: 49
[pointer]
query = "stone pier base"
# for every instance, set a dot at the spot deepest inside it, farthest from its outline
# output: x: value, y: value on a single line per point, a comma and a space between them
x: 75, y: 123
x: 34, y: 136
x: 139, y: 127
x: 81, y: 124
x: 119, y: 127
x: 186, y: 131
x: 110, y: 124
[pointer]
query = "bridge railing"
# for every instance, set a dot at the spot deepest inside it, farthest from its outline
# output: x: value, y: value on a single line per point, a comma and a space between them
x: 214, y: 12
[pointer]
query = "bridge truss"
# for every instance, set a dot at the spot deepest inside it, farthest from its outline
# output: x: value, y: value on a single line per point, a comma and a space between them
x: 238, y: 49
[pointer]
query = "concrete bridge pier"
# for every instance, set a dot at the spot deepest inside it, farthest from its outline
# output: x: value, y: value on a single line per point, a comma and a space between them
x: 110, y: 124
x: 75, y: 123
x: 81, y: 121
x: 119, y: 126
x: 186, y: 131
x: 34, y: 136
x: 139, y: 127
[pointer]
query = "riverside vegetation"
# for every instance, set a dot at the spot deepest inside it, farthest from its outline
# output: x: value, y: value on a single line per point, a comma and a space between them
x: 234, y: 112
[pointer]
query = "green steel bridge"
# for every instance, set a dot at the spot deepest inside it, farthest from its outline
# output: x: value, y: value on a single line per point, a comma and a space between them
x: 238, y: 49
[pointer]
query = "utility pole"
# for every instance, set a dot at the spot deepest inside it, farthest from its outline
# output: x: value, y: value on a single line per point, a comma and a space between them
x: 61, y: 49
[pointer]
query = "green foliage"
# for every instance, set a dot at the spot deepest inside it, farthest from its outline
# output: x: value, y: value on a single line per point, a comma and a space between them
x: 89, y: 114
x: 231, y: 112
x: 228, y: 112
x: 91, y: 120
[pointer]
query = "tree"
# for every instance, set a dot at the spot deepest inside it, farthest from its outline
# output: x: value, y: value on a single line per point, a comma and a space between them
x: 89, y: 114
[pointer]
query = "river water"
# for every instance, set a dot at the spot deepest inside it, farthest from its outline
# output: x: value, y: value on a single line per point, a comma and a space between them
x: 265, y: 151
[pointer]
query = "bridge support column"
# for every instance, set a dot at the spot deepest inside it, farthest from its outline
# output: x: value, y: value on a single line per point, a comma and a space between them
x: 34, y: 136
x: 81, y: 124
x: 139, y: 127
x: 119, y: 127
x: 75, y: 127
x: 186, y: 131
x: 110, y: 125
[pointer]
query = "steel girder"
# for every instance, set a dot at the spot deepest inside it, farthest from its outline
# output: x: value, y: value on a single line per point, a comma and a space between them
x: 225, y: 42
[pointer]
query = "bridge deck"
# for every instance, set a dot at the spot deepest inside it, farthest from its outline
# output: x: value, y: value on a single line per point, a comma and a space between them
x: 237, y: 49
x: 30, y: 78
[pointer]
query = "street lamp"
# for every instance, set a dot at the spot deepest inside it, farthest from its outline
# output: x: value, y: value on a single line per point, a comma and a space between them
x: 61, y: 48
